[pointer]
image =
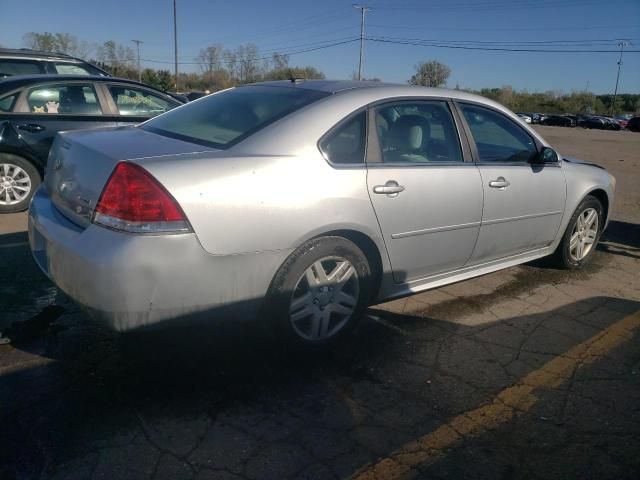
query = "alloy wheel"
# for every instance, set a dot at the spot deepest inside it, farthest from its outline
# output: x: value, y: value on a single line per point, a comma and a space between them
x: 324, y: 298
x: 15, y: 184
x: 583, y: 235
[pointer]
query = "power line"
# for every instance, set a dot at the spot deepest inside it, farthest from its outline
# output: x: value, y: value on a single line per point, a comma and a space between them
x: 265, y: 57
x: 494, y: 49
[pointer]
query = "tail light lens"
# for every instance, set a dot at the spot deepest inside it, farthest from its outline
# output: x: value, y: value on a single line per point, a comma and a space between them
x: 134, y: 201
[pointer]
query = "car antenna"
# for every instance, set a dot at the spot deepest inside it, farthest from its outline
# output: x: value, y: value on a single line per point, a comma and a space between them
x: 296, y: 80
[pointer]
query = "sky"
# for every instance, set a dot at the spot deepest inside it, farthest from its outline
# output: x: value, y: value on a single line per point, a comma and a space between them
x: 332, y: 28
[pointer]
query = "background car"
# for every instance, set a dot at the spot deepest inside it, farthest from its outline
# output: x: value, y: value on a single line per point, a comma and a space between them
x: 601, y: 123
x: 23, y: 61
x: 525, y: 117
x: 196, y: 95
x: 34, y: 108
x: 559, y: 121
x: 302, y: 203
x: 634, y: 124
x: 623, y: 120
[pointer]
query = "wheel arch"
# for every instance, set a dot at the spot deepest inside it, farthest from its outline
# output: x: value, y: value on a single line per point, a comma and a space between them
x: 370, y: 249
x: 603, y: 197
x: 25, y: 156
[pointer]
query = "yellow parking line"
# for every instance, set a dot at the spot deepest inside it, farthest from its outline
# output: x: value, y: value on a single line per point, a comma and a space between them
x: 519, y: 397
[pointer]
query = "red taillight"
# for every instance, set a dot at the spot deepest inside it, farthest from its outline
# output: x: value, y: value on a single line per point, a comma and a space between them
x: 135, y: 201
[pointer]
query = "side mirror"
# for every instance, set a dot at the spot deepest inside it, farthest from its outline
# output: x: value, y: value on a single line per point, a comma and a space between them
x: 547, y: 155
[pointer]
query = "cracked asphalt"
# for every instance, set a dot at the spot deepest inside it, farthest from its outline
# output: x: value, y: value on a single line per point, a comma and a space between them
x: 526, y: 373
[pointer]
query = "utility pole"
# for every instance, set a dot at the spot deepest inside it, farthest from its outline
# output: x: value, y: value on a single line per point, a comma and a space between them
x: 138, y: 42
x: 363, y: 9
x: 175, y: 42
x: 615, y: 93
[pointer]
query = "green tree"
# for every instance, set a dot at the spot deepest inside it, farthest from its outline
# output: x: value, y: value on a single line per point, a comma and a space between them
x: 430, y: 74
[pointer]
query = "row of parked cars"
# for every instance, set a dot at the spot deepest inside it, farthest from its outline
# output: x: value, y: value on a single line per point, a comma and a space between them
x: 600, y: 122
x: 42, y: 94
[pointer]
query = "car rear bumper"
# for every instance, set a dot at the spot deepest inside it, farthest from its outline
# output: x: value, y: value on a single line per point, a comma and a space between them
x: 135, y: 281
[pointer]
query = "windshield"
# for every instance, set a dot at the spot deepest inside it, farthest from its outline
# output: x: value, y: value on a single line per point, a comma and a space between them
x: 225, y: 118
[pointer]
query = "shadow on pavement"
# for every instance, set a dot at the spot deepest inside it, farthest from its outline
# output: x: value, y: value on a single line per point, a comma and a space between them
x: 621, y: 238
x: 233, y: 399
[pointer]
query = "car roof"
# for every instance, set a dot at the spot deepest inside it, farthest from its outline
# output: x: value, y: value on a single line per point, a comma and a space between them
x: 28, y: 53
x: 10, y: 83
x: 392, y: 89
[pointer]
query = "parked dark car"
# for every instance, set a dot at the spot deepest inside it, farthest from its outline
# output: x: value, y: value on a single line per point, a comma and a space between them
x: 34, y: 108
x: 559, y: 121
x: 634, y: 124
x: 33, y: 62
x: 196, y: 95
x: 601, y: 123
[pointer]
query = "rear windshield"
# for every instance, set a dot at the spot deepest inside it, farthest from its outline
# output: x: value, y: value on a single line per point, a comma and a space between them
x: 225, y: 118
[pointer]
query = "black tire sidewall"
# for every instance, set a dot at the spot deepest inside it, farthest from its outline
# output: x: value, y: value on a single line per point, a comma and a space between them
x: 276, y: 308
x: 34, y: 176
x: 565, y: 257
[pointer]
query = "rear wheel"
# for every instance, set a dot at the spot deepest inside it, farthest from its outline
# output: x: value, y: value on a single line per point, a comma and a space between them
x: 319, y: 293
x: 581, y: 236
x: 19, y: 180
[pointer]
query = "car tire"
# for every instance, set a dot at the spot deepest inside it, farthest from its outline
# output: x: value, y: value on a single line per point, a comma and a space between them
x: 318, y: 295
x: 16, y: 175
x: 581, y: 237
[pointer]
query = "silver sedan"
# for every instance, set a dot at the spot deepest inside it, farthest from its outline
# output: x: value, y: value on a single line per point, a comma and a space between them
x: 301, y: 203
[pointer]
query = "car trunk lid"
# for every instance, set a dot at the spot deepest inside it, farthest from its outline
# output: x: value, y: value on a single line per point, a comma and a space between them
x: 80, y: 164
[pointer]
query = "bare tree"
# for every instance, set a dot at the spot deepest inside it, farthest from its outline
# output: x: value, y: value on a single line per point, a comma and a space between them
x: 210, y: 59
x: 280, y: 61
x: 115, y: 55
x: 431, y: 74
x: 231, y: 62
x: 57, y: 42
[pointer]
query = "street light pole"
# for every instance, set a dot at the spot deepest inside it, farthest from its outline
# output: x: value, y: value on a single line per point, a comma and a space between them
x: 615, y: 93
x: 138, y: 42
x: 175, y: 42
x: 363, y: 9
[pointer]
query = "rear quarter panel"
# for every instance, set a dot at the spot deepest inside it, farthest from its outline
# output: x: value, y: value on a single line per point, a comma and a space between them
x: 251, y: 203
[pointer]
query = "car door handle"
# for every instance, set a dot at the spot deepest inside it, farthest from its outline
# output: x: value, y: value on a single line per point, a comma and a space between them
x: 500, y: 183
x: 390, y: 188
x: 31, y: 127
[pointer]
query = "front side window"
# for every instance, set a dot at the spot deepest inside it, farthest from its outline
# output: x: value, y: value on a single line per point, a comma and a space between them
x: 498, y: 139
x: 75, y: 99
x: 346, y: 143
x: 136, y: 101
x: 6, y: 103
x: 417, y: 132
x: 10, y: 67
x: 222, y: 119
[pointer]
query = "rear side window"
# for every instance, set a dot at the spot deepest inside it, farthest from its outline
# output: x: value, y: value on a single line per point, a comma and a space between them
x: 6, y: 103
x: 417, y: 132
x: 225, y: 118
x: 498, y: 138
x: 70, y: 69
x: 134, y: 101
x: 76, y: 99
x: 346, y: 143
x: 11, y: 67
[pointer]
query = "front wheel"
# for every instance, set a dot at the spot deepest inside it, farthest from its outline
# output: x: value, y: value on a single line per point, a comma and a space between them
x: 319, y: 293
x: 19, y: 180
x: 581, y: 236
